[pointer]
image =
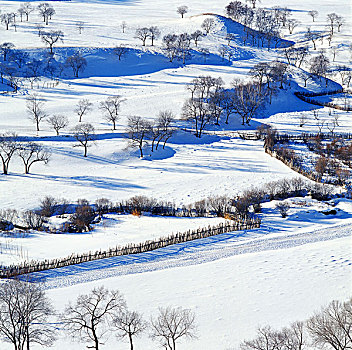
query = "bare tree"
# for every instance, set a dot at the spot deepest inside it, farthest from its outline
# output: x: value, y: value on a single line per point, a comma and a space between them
x: 230, y: 37
x: 154, y: 33
x: 332, y: 17
x: 208, y: 25
x: 171, y: 325
x: 292, y: 24
x: 46, y: 11
x: 111, y: 108
x: 51, y: 38
x: 142, y: 34
x: 123, y: 26
x: 138, y: 130
x: 249, y: 99
x: 33, y: 71
x: 170, y: 46
x: 26, y: 8
x: 319, y: 65
x: 312, y: 36
x: 35, y: 109
x: 7, y: 19
x: 6, y: 49
x: 182, y: 10
x: 57, y: 122
x: 77, y: 62
x: 339, y: 20
x: 162, y: 130
x: 253, y: 2
x: 267, y: 339
x: 8, y: 147
x: 83, y: 107
x: 24, y: 312
x: 129, y: 324
x: 31, y: 153
x: 21, y: 13
x: 183, y: 44
x: 314, y: 14
x: 332, y: 326
x: 84, y: 133
x: 223, y: 52
x: 39, y: 28
x: 87, y: 319
x: 80, y: 26
x: 120, y: 51
x: 198, y: 112
x: 196, y: 36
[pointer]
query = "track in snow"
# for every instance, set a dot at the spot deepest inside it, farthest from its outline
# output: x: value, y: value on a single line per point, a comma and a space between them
x: 184, y: 254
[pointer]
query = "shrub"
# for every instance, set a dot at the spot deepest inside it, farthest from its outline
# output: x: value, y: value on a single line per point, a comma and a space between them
x: 283, y: 208
x: 32, y: 220
x: 83, y: 218
x: 103, y: 206
x: 48, y: 205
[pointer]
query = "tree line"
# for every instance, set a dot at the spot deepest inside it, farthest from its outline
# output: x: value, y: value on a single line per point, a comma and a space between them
x: 329, y: 328
x: 27, y: 318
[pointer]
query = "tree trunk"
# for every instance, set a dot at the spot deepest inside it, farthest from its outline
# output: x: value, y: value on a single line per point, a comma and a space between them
x: 131, y: 342
x: 5, y: 168
x: 85, y: 150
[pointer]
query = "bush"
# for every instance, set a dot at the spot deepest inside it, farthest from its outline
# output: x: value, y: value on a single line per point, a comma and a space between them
x: 103, y: 206
x: 321, y: 192
x: 142, y: 203
x: 32, y: 220
x: 82, y: 218
x: 48, y: 206
x: 283, y: 208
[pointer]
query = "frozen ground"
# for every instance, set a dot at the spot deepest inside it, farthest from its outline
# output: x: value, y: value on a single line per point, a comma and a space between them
x: 232, y: 283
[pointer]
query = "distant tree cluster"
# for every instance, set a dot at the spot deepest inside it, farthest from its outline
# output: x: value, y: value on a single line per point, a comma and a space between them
x: 210, y: 101
x: 329, y: 328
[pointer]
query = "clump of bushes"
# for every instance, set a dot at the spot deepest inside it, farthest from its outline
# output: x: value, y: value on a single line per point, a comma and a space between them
x: 283, y: 208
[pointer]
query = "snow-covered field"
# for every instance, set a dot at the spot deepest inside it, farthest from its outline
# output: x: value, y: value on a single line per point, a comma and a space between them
x: 275, y: 275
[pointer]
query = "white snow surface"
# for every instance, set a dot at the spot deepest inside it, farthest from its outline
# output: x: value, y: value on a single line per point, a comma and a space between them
x: 278, y: 274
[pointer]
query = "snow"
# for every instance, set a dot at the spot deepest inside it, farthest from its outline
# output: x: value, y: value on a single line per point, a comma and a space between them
x: 275, y: 275
x: 233, y: 285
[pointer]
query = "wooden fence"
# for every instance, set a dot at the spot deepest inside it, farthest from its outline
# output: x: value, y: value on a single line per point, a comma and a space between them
x: 307, y: 136
x: 147, y: 246
x: 307, y: 97
x: 292, y: 164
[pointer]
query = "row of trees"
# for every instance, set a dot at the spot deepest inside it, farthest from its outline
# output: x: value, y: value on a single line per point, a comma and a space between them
x: 17, y: 65
x: 29, y: 152
x: 110, y: 109
x: 45, y: 10
x: 27, y: 318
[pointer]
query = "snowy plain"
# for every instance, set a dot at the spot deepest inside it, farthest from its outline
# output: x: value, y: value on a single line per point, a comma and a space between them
x: 230, y: 293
